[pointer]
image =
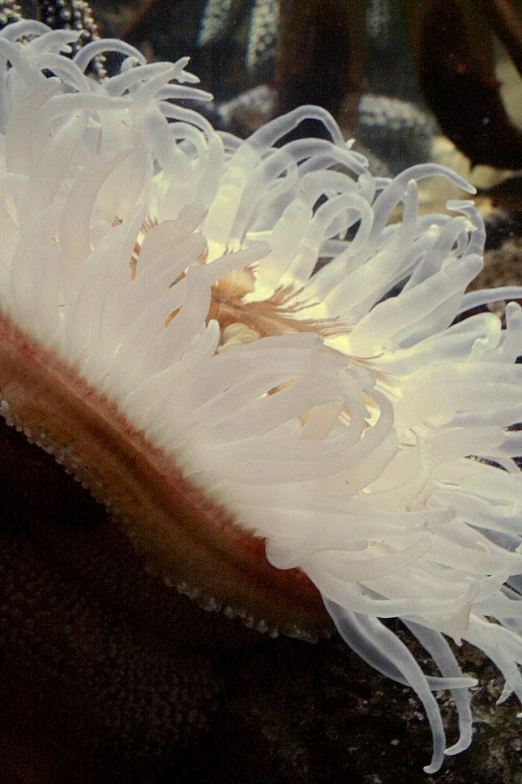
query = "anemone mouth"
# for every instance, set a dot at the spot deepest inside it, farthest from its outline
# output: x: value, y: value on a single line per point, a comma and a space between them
x: 279, y: 314
x: 195, y: 542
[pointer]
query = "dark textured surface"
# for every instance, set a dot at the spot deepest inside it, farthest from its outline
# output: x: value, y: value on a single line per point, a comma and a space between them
x: 107, y: 676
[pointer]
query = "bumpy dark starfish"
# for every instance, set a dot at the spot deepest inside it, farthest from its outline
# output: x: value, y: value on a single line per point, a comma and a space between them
x: 220, y: 15
x: 61, y: 15
x: 10, y: 11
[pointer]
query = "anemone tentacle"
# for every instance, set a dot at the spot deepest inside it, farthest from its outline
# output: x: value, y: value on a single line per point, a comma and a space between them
x: 332, y: 425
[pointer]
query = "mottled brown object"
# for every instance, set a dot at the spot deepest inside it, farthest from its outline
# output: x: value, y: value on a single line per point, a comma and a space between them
x: 506, y: 24
x: 320, y: 53
x: 456, y: 72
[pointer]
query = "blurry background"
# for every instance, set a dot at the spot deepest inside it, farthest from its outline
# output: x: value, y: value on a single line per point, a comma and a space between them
x: 411, y: 80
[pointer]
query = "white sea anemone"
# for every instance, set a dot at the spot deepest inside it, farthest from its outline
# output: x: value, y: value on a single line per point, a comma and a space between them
x: 343, y: 415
